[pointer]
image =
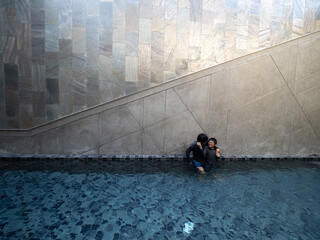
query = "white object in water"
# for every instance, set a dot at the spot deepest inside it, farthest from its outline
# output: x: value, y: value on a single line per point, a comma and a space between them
x: 188, y: 227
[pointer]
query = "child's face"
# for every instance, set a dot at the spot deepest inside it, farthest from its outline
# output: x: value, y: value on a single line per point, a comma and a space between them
x: 211, y: 144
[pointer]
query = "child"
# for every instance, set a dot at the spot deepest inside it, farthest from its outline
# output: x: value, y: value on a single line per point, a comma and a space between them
x: 211, y: 154
x: 196, y: 148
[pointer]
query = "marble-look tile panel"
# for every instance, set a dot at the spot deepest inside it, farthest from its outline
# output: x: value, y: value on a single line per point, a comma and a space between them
x: 183, y: 21
x: 132, y: 16
x: 52, y: 65
x: 65, y: 79
x: 170, y: 33
x: 131, y: 87
x: 65, y: 25
x: 8, y: 16
x: 194, y: 53
x: 106, y: 15
x: 38, y: 78
x: 79, y: 13
x: 195, y: 34
x: 92, y: 80
x: 65, y: 6
x: 231, y: 26
x: 79, y: 91
x: 105, y: 94
x: 182, y: 46
x: 158, y: 18
x: 12, y: 103
x: 118, y: 70
x: 23, y: 10
x: 131, y: 69
x: 92, y: 41
x: 157, y: 45
x: 105, y: 41
x: 38, y: 50
x: 79, y: 65
x: 105, y: 68
x: 23, y: 36
x: 65, y: 52
x: 52, y: 93
x: 119, y: 9
x: 156, y: 69
x: 93, y: 7
x: 93, y: 99
x: 39, y: 4
x: 181, y: 66
x: 26, y: 116
x: 144, y: 71
x: 25, y: 64
x: 67, y: 107
x: 37, y: 24
x: 11, y: 74
x: 7, y: 4
x: 119, y: 35
x: 169, y: 58
x: 132, y: 43
x: 195, y: 10
x: 207, y: 49
x: 144, y: 31
x: 10, y: 54
x: 52, y: 12
x: 53, y: 112
x: 39, y: 104
x: 78, y: 40
x: 185, y: 3
x: 208, y: 23
x: 171, y: 9
x: 51, y: 38
x: 145, y: 9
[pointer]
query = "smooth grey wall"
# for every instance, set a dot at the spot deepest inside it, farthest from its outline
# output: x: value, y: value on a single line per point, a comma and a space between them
x: 262, y: 104
x: 58, y: 57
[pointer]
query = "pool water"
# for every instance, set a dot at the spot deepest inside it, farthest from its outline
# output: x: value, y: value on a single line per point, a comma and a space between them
x: 243, y: 200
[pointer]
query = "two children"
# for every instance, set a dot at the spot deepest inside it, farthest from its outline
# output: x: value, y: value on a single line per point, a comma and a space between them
x: 205, y: 153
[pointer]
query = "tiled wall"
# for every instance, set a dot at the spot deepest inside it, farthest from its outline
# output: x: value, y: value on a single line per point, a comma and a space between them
x: 58, y: 57
x: 266, y: 103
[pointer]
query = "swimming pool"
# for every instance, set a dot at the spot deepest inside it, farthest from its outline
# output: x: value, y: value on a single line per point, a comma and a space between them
x: 241, y: 200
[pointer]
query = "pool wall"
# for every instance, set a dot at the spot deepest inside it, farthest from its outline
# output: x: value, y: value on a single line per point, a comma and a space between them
x: 265, y: 103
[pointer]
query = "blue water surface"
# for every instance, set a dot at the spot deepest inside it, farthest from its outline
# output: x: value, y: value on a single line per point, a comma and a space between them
x: 266, y: 200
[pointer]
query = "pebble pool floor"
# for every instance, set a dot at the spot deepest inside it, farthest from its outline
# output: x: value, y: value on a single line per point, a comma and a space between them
x: 246, y: 200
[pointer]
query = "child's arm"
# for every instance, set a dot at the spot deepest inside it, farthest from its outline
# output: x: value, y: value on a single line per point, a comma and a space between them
x: 218, y: 152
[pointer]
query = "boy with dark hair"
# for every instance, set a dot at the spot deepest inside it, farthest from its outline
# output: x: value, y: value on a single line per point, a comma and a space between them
x: 211, y: 154
x: 196, y: 148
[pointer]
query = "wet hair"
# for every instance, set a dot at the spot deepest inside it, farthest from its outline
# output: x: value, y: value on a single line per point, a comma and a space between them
x: 214, y: 140
x: 202, y: 137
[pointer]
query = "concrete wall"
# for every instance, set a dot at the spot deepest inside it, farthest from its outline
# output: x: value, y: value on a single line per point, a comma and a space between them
x: 264, y: 103
x: 58, y: 57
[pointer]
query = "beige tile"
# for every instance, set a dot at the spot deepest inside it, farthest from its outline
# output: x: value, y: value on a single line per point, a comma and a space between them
x: 181, y: 131
x: 154, y: 108
x: 304, y: 142
x: 18, y: 145
x: 252, y: 80
x: 281, y: 59
x: 307, y: 82
x: 149, y: 148
x: 136, y: 109
x: 195, y: 96
x: 116, y: 123
x: 256, y: 122
x: 174, y: 105
x: 130, y: 144
x: 219, y: 101
x: 156, y: 132
x: 308, y: 60
x: 48, y: 142
x: 309, y: 100
x: 79, y: 136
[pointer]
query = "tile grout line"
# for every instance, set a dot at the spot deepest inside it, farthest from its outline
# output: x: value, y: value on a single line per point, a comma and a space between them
x: 189, y: 111
x: 296, y: 99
